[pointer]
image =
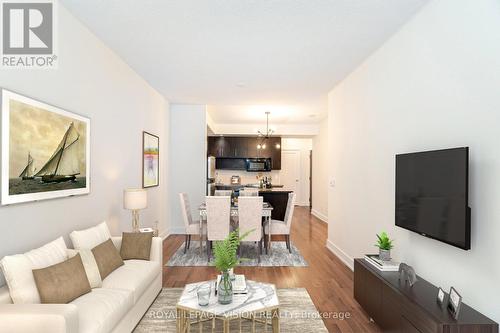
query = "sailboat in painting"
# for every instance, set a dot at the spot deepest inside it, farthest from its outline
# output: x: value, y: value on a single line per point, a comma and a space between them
x: 63, y: 165
x: 29, y: 170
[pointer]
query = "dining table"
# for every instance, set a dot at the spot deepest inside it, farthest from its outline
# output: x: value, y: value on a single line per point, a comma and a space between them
x: 266, y: 215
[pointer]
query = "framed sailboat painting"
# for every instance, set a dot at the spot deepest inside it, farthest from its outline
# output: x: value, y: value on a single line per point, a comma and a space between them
x: 45, y: 151
x: 150, y: 160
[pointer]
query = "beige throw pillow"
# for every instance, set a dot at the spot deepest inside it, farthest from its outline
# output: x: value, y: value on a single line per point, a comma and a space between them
x: 18, y: 268
x: 61, y: 283
x: 90, y: 266
x: 107, y: 258
x: 136, y: 245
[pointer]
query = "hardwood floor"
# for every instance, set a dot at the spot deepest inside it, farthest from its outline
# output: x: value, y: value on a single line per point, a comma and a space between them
x: 327, y: 279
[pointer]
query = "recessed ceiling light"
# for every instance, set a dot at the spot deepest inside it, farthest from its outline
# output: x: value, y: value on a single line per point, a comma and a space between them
x: 240, y: 84
x: 312, y: 115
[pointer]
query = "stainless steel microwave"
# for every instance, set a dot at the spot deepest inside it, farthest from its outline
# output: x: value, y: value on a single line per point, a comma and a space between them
x: 259, y: 164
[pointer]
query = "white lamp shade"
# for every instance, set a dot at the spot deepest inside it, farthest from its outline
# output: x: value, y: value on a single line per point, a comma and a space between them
x: 134, y: 199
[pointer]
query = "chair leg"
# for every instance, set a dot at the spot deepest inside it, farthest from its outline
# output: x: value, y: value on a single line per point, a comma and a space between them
x: 259, y: 250
x: 288, y: 243
x: 189, y: 241
x: 208, y: 250
x: 185, y: 244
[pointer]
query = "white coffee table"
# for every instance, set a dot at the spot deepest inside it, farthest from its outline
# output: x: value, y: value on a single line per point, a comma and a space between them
x: 261, y: 298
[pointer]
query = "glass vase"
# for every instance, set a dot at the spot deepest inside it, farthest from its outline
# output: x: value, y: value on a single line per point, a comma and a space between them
x: 225, y: 289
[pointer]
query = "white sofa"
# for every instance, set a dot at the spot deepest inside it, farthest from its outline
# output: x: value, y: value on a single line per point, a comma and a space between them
x: 117, y: 306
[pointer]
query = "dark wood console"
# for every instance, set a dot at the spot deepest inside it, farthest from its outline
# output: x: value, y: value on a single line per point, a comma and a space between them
x: 396, y: 307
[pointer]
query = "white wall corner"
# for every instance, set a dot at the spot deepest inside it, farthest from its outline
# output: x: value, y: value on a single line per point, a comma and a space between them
x: 319, y: 215
x: 339, y: 253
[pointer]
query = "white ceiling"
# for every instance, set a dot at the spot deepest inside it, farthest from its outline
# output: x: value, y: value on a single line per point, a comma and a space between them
x: 245, y: 52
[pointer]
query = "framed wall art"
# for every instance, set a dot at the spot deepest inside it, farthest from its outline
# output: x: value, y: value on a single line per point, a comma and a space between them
x: 150, y: 160
x: 45, y: 151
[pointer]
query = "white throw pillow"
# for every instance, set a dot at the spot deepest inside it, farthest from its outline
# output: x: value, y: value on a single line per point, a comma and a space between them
x: 89, y: 238
x: 18, y: 270
x: 90, y: 266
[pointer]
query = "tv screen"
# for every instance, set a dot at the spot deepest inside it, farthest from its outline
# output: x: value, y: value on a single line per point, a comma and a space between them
x: 432, y: 195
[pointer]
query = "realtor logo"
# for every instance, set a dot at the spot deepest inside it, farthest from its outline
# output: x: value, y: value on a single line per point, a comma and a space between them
x: 28, y: 34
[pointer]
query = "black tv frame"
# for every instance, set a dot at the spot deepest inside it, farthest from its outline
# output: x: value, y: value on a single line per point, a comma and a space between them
x: 467, y: 208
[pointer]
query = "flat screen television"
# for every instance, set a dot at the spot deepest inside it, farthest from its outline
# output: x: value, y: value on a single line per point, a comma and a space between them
x: 432, y: 195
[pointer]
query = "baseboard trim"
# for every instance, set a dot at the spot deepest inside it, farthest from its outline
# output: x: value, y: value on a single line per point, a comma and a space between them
x: 339, y: 253
x: 164, y: 235
x: 177, y: 231
x: 319, y: 215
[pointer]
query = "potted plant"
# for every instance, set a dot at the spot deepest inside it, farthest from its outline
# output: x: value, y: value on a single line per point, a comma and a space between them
x: 384, y: 245
x: 225, y: 258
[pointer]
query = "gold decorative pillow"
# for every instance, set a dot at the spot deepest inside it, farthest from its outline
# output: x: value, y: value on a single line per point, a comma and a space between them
x: 107, y: 258
x: 136, y: 245
x: 61, y: 283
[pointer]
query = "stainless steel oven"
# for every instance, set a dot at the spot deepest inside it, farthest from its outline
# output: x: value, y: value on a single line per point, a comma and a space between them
x: 259, y: 164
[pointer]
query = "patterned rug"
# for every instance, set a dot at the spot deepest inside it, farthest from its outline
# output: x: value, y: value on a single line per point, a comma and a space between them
x: 279, y: 256
x: 298, y: 315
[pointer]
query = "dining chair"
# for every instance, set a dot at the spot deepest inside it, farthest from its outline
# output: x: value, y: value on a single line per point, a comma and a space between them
x: 250, y: 218
x: 223, y: 193
x: 192, y: 226
x: 249, y: 192
x: 218, y: 218
x: 282, y: 227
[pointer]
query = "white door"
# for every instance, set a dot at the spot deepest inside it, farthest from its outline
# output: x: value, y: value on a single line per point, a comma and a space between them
x: 290, y: 170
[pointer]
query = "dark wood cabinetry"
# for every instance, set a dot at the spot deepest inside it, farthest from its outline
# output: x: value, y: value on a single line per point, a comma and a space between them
x: 398, y: 308
x: 243, y: 148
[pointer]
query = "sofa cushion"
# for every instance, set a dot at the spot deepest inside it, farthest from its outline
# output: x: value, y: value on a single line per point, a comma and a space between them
x: 135, y: 276
x: 136, y: 245
x: 107, y: 258
x: 17, y: 270
x: 102, y: 309
x: 61, y: 283
x: 90, y: 266
x: 91, y: 237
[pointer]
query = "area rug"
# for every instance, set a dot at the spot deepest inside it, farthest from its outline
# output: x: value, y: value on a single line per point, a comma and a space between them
x: 279, y: 256
x: 297, y: 315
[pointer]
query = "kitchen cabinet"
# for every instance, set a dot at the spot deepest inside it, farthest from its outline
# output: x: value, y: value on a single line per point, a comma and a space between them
x: 245, y: 147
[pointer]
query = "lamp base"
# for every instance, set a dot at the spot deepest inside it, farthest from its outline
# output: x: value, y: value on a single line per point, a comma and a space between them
x: 135, y: 221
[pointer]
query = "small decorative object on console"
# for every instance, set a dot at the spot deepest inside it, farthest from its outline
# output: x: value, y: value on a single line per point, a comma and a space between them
x: 408, y: 274
x: 454, y: 302
x: 381, y: 265
x: 440, y: 296
x: 384, y: 245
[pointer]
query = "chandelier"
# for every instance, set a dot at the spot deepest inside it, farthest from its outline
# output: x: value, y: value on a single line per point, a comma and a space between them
x: 266, y: 135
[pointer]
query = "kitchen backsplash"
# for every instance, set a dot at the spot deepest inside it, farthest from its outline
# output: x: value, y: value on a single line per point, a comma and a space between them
x: 224, y: 176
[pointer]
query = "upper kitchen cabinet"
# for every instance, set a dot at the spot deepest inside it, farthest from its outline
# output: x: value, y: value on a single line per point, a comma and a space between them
x: 245, y: 147
x: 218, y: 146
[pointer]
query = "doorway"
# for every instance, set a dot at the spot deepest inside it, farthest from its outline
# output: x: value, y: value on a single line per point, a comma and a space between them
x: 290, y: 171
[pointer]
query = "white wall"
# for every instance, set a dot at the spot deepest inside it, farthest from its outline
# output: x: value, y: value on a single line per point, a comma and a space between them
x: 320, y: 172
x: 188, y: 167
x: 92, y: 81
x: 435, y: 84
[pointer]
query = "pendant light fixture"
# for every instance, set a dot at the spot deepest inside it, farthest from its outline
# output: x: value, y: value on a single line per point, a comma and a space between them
x: 266, y: 135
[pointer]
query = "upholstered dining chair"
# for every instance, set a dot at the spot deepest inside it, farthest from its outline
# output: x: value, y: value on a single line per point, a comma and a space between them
x: 249, y: 192
x: 218, y: 218
x: 282, y: 227
x: 192, y: 226
x: 250, y: 218
x: 223, y: 193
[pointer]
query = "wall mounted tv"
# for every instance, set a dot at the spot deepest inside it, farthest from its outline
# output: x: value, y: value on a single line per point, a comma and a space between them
x: 432, y: 191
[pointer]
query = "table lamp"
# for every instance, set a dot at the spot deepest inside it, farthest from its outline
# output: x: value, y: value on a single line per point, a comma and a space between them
x: 135, y: 199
